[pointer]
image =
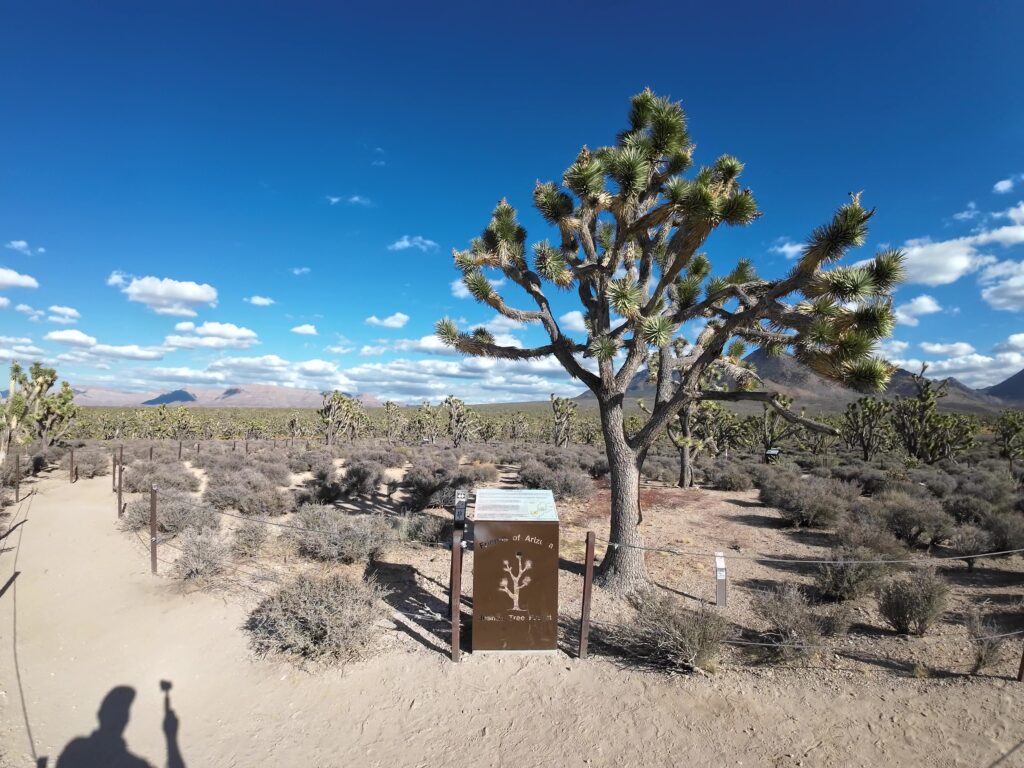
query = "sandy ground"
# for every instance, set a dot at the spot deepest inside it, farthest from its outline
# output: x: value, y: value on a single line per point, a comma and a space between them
x: 84, y: 615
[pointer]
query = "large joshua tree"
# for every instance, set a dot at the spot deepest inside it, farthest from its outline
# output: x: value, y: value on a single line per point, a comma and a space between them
x: 631, y: 229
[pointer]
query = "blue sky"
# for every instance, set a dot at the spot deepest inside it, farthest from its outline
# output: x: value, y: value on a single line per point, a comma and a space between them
x: 163, y: 164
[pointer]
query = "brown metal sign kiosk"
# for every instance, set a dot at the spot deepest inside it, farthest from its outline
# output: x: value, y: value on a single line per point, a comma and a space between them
x: 515, y: 571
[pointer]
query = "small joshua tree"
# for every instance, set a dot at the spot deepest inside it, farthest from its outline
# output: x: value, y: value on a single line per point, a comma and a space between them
x: 427, y: 423
x: 341, y: 415
x: 516, y: 427
x: 518, y: 580
x: 461, y: 422
x: 29, y: 412
x: 926, y: 434
x: 631, y: 233
x: 393, y: 421
x: 866, y: 425
x: 564, y: 413
x: 1010, y: 435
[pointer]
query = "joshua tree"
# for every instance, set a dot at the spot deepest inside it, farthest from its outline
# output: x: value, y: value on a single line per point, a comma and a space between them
x: 1010, y: 435
x: 926, y: 434
x: 29, y: 412
x: 866, y: 425
x: 516, y: 427
x: 772, y: 427
x: 518, y: 580
x: 393, y: 421
x: 341, y: 415
x: 631, y: 229
x: 563, y: 411
x: 427, y: 422
x: 461, y: 422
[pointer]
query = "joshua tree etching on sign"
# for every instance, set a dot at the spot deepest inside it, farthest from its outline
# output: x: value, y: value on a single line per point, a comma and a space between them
x: 518, y: 580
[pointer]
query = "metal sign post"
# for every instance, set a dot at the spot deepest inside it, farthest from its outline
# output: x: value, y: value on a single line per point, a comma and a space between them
x: 461, y: 495
x: 720, y: 579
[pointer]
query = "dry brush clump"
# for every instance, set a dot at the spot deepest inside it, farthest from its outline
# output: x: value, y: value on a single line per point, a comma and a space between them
x: 665, y: 634
x: 435, y: 475
x: 333, y: 535
x: 990, y: 643
x: 729, y: 476
x: 248, y: 491
x: 851, y: 573
x: 141, y: 475
x: 793, y: 628
x: 916, y: 520
x: 424, y: 528
x: 320, y: 617
x: 92, y: 462
x: 807, y: 500
x: 202, y: 554
x: 912, y: 603
x: 248, y: 538
x: 174, y: 514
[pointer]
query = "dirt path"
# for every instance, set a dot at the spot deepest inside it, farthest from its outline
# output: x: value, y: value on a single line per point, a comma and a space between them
x: 90, y: 617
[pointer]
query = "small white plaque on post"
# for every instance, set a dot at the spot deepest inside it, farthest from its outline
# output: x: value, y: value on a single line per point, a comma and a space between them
x: 720, y: 579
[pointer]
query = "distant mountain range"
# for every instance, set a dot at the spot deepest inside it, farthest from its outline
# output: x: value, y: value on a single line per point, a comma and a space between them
x: 816, y: 393
x: 247, y: 396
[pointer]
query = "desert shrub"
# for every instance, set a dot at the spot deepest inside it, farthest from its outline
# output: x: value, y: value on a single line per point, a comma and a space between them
x: 793, y: 628
x: 598, y: 467
x: 173, y: 514
x: 139, y: 476
x: 424, y: 528
x: 666, y: 634
x: 328, y: 534
x: 266, y: 503
x: 728, y: 476
x: 988, y: 647
x: 836, y: 619
x: 912, y: 602
x: 224, y: 489
x: 915, y: 520
x: 1007, y: 530
x: 362, y: 478
x: 995, y: 487
x: 967, y: 509
x: 809, y: 501
x: 970, y: 540
x: 273, y: 469
x: 848, y: 577
x: 662, y: 469
x: 328, y: 617
x: 248, y: 538
x: 92, y: 463
x: 387, y: 457
x: 202, y: 554
x: 865, y: 526
x: 938, y: 482
x: 434, y: 476
x: 565, y: 483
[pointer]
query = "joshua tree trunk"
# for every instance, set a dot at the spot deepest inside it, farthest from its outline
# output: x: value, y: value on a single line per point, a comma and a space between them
x: 685, y: 466
x: 623, y: 568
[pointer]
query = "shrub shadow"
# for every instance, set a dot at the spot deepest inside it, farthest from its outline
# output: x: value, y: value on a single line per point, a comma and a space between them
x: 421, y: 614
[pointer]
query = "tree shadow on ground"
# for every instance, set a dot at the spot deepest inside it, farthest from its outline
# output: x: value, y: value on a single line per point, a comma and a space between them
x: 421, y: 614
x: 106, y: 748
x: 981, y: 576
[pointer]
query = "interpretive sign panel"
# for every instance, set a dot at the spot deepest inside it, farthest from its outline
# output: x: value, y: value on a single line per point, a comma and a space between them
x: 515, y: 571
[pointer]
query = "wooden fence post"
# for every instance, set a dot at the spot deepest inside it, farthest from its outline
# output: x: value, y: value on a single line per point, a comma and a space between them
x: 152, y: 529
x: 455, y: 594
x: 120, y: 455
x: 246, y: 447
x: 120, y: 480
x: 179, y: 450
x: 71, y: 467
x: 151, y: 453
x: 233, y: 445
x: 1020, y: 672
x: 113, y: 470
x: 588, y: 585
x: 17, y: 478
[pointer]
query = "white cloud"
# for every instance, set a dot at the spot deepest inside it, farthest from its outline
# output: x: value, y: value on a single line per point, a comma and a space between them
x: 22, y: 246
x: 373, y: 350
x: 333, y: 200
x: 72, y: 337
x: 953, y: 349
x: 127, y: 352
x: 974, y: 370
x: 787, y: 248
x: 260, y: 301
x: 166, y: 296
x: 4, y: 302
x: 1003, y: 286
x: 185, y: 326
x: 338, y: 349
x: 970, y: 212
x: 30, y: 312
x: 301, y: 270
x: 416, y: 241
x: 891, y: 348
x: 1013, y: 343
x: 63, y: 315
x: 211, y: 335
x: 307, y: 329
x: 573, y: 321
x: 397, y: 320
x: 359, y: 200
x: 11, y: 279
x: 910, y: 312
x: 15, y: 340
x: 1005, y: 186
